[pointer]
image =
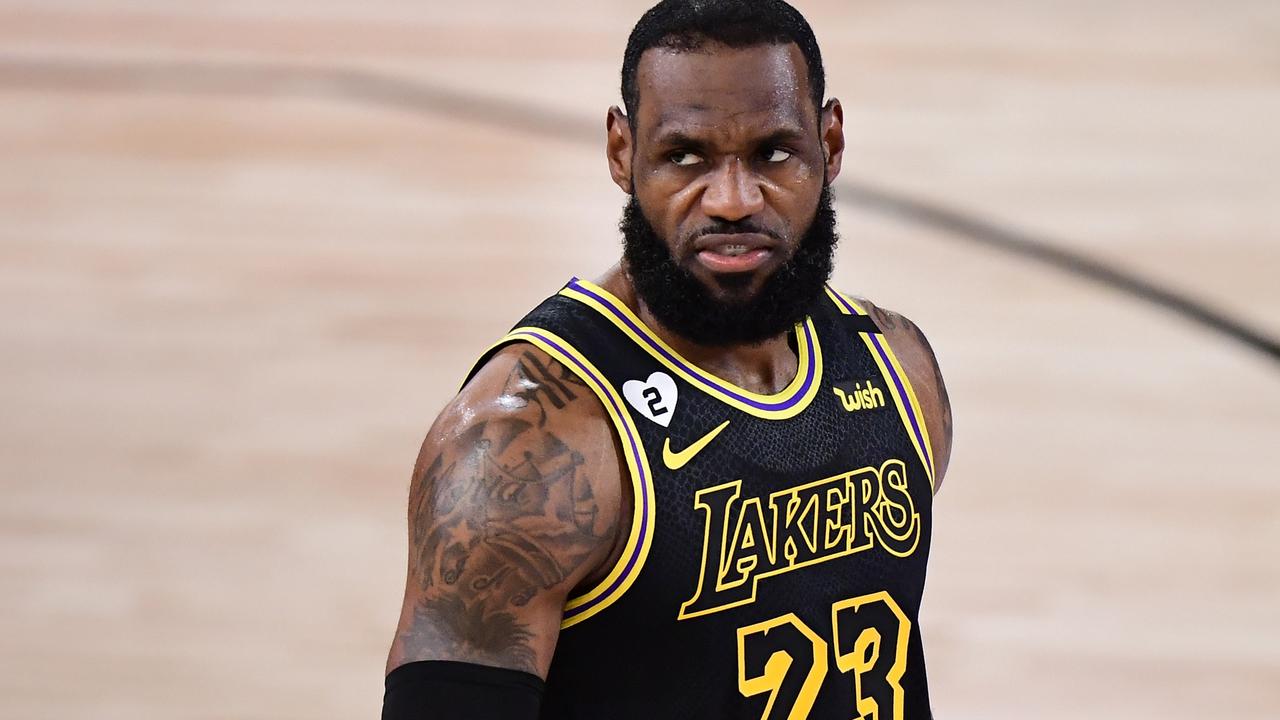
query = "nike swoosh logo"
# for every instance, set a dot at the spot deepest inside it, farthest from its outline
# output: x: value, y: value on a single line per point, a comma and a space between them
x: 677, y: 460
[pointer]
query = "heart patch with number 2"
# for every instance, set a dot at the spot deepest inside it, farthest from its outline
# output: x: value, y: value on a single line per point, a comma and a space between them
x: 654, y: 398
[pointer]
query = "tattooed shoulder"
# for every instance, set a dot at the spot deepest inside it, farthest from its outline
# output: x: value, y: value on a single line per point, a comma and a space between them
x: 515, y: 499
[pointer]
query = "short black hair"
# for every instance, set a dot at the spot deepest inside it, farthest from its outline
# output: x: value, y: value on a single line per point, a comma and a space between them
x: 688, y: 25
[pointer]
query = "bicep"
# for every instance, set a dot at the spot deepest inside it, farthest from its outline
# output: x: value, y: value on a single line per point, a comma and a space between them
x: 513, y: 502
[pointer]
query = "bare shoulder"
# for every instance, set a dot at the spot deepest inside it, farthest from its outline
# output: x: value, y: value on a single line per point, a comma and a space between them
x: 515, y: 500
x: 921, y: 365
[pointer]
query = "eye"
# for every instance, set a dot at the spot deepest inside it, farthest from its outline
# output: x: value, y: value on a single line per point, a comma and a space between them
x: 776, y: 155
x: 685, y: 159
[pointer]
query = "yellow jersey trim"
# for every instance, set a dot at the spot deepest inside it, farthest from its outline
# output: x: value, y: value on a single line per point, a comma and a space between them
x: 789, y: 402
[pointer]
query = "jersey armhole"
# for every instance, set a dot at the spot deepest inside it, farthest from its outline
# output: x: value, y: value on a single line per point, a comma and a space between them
x: 904, y: 396
x: 640, y: 537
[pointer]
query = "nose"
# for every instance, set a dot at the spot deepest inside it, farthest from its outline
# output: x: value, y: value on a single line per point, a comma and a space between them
x: 732, y: 193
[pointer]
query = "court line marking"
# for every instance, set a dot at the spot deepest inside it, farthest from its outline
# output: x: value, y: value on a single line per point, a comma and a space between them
x: 383, y: 89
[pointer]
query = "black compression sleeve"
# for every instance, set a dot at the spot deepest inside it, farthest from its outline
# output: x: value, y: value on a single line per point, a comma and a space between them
x: 444, y: 690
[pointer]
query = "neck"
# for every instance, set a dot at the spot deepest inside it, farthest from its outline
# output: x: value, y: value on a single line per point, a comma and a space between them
x: 764, y: 368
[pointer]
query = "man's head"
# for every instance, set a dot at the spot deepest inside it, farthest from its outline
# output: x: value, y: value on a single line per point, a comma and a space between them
x: 727, y: 152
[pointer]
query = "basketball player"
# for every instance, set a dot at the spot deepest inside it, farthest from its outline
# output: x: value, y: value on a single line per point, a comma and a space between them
x: 701, y: 485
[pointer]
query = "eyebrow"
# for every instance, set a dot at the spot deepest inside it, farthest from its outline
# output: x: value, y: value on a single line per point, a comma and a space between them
x: 682, y: 138
x: 672, y: 138
x: 784, y: 135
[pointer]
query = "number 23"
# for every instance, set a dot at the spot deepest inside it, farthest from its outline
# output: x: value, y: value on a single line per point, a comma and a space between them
x: 785, y: 658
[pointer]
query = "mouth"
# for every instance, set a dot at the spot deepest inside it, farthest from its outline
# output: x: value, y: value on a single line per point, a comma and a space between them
x: 734, y: 253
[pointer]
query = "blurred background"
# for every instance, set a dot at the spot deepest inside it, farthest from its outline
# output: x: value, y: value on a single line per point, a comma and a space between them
x: 248, y: 250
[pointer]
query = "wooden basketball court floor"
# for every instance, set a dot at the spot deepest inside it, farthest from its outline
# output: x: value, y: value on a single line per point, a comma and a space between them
x: 247, y: 249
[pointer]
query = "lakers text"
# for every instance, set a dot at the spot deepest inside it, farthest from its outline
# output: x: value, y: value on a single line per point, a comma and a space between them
x: 747, y: 540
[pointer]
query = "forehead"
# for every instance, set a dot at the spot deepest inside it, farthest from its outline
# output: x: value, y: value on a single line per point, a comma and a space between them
x: 761, y: 86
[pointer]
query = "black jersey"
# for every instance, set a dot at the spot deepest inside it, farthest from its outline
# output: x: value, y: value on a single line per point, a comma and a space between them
x: 777, y: 552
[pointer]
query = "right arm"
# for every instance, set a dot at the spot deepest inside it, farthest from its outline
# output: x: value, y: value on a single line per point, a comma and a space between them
x: 515, y: 501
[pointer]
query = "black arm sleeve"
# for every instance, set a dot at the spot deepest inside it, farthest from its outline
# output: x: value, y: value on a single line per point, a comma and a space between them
x: 444, y: 690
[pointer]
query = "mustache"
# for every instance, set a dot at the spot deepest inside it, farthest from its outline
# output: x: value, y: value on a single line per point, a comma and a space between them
x: 735, y: 227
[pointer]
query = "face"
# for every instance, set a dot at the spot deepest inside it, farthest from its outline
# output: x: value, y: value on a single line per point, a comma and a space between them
x: 729, y: 230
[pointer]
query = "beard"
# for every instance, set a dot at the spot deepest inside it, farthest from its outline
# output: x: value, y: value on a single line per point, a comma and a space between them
x: 687, y: 307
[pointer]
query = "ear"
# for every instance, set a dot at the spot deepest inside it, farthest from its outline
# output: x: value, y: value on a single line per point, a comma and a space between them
x: 833, y: 137
x: 619, y: 146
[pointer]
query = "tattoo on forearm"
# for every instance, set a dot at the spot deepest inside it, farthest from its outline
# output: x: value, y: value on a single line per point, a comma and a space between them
x: 512, y: 517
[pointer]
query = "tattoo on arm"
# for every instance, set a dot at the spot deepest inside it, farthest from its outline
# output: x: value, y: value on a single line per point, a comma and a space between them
x: 534, y: 381
x: 883, y: 318
x: 502, y: 514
